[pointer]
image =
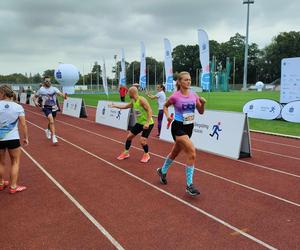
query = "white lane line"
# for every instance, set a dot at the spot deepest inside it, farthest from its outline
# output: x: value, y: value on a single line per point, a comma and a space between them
x: 281, y: 155
x: 76, y: 203
x: 276, y: 143
x: 200, y: 170
x: 226, y: 224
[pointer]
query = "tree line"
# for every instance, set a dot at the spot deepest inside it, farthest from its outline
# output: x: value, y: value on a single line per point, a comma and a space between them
x: 263, y: 64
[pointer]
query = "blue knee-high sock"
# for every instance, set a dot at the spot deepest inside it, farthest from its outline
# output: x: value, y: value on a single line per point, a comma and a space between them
x: 166, y: 165
x: 189, y: 172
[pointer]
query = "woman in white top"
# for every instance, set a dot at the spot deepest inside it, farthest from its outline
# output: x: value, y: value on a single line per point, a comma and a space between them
x: 11, y: 114
x: 161, y: 99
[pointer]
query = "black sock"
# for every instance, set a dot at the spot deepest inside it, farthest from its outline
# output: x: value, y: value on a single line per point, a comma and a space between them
x: 145, y: 147
x: 127, y: 144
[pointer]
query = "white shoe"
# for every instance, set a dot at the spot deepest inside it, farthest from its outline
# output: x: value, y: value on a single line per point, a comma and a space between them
x: 54, y: 139
x: 48, y: 133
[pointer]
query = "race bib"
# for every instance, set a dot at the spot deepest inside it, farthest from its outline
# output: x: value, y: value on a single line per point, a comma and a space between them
x: 188, y: 118
x: 50, y: 102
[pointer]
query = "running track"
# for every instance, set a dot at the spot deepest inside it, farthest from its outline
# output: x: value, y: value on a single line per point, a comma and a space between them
x: 81, y: 197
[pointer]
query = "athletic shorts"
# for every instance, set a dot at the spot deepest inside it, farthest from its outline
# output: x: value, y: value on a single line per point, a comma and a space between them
x: 178, y: 129
x: 10, y: 144
x: 138, y: 128
x: 48, y: 110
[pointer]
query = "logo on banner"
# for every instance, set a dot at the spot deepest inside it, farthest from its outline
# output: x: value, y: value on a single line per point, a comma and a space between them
x: 215, y: 130
x: 203, y: 46
x: 58, y: 74
x: 272, y: 109
x: 103, y: 111
x: 118, y: 115
x: 167, y: 53
x: 291, y: 109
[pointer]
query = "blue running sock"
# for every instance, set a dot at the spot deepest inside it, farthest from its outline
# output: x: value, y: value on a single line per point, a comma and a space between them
x: 189, y: 172
x: 166, y: 165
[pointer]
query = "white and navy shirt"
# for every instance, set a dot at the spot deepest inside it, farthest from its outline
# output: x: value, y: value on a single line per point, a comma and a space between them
x: 9, y: 117
x: 48, y: 96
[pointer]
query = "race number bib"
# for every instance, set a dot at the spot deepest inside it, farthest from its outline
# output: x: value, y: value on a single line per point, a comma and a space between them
x: 188, y: 118
x: 50, y: 102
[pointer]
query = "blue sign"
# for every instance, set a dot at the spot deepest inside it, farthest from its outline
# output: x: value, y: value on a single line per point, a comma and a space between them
x: 58, y: 74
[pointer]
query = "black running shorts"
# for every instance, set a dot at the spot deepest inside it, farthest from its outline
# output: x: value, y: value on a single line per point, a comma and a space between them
x: 178, y: 129
x: 138, y: 128
x: 10, y: 144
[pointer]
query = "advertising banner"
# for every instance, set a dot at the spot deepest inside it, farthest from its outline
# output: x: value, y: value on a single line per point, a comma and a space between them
x: 290, y: 80
x: 113, y: 117
x: 291, y: 112
x: 219, y: 132
x: 266, y: 109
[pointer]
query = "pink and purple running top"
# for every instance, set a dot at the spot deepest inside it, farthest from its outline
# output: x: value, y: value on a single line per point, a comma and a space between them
x: 184, y: 106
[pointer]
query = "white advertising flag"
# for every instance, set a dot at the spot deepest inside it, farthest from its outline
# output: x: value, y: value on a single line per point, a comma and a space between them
x: 204, y: 58
x: 143, y: 67
x: 104, y: 78
x: 168, y: 66
x: 122, y: 78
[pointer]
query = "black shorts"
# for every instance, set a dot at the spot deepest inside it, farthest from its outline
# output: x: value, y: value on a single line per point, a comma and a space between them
x: 10, y: 144
x: 178, y: 129
x: 48, y: 110
x: 138, y: 128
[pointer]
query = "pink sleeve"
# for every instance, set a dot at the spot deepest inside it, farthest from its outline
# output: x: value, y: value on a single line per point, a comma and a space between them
x: 172, y: 99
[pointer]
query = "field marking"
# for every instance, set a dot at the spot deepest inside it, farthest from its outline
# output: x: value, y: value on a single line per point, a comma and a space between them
x: 277, y: 154
x: 200, y: 170
x: 277, y: 143
x: 224, y: 223
x: 75, y: 202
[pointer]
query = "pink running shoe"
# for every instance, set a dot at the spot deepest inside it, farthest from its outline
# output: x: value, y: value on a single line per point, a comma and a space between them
x: 17, y: 189
x: 4, y: 185
x: 145, y: 158
x: 124, y: 155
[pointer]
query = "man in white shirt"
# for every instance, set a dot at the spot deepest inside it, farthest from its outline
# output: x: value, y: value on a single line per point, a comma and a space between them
x: 48, y: 95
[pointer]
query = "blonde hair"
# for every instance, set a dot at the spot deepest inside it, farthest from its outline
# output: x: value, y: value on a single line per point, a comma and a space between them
x: 6, y: 91
x: 179, y: 77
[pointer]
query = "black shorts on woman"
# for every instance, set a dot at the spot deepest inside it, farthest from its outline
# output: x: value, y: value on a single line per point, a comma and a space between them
x: 179, y: 129
x: 10, y: 144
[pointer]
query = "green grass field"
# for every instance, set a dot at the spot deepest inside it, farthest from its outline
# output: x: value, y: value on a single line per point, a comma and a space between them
x: 228, y: 101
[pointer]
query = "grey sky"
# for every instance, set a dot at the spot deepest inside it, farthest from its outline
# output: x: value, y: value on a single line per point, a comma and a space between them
x: 37, y: 34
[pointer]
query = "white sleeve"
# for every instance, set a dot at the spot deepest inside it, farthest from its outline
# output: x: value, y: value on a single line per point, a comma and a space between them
x: 20, y: 110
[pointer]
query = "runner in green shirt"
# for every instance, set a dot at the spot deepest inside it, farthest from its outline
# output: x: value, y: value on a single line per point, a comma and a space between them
x: 144, y: 123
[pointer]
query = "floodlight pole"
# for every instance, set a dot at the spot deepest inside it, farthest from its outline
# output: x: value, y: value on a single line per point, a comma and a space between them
x: 248, y: 2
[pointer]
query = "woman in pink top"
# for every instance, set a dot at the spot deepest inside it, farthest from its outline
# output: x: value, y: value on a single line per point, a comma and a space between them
x: 185, y: 102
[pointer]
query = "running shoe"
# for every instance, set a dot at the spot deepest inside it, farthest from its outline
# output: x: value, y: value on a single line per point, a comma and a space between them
x: 17, y: 189
x: 162, y: 177
x: 54, y: 139
x: 4, y: 185
x: 191, y: 190
x: 124, y: 155
x: 145, y: 158
x: 48, y: 133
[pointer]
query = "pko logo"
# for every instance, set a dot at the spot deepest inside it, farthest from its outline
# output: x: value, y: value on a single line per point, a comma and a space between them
x: 123, y: 81
x: 291, y: 109
x: 206, y: 78
x: 58, y: 74
x: 143, y: 79
x: 167, y: 53
x: 203, y: 46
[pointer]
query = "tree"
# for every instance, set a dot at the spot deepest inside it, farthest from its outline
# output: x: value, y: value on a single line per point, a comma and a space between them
x: 284, y: 45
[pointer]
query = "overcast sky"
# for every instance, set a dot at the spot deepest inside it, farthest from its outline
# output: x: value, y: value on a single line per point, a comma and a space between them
x: 37, y: 34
